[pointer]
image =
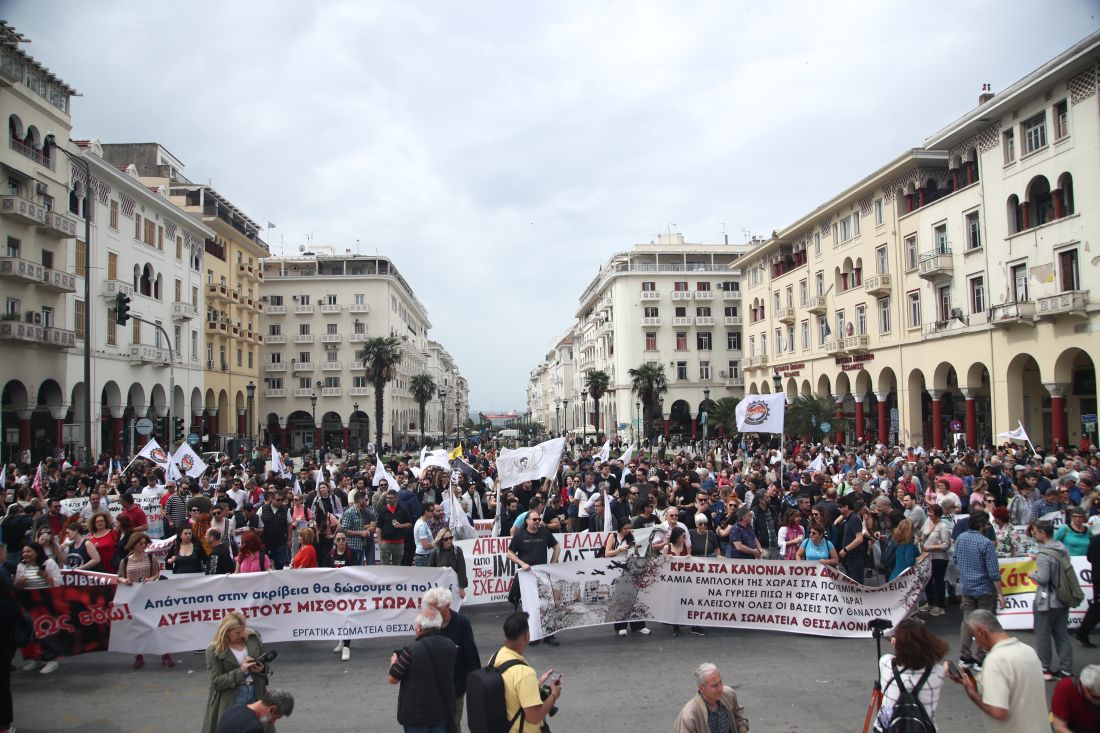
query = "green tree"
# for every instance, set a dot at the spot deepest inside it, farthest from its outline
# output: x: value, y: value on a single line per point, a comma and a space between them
x: 597, y: 382
x: 806, y: 413
x: 422, y: 387
x: 380, y: 356
x: 725, y: 415
x: 648, y: 383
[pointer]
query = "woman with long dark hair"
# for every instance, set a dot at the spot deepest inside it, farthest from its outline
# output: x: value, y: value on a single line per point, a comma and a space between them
x: 186, y: 555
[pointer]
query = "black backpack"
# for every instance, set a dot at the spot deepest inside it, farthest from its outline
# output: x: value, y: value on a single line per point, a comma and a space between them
x: 909, y: 715
x: 485, y: 708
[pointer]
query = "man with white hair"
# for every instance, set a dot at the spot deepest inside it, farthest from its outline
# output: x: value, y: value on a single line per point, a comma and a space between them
x: 425, y: 671
x: 714, y: 709
x: 1075, y: 705
x: 458, y: 629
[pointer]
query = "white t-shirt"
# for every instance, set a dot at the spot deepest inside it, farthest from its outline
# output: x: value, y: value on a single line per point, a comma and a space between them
x: 421, y: 531
x: 239, y: 496
x: 1012, y: 678
x: 929, y: 694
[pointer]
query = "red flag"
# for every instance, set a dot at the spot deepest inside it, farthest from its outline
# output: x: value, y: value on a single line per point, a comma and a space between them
x: 37, y: 484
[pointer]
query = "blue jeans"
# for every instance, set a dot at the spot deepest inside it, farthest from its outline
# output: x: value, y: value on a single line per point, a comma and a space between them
x: 278, y: 555
x: 440, y: 727
x: 246, y: 695
x: 421, y: 560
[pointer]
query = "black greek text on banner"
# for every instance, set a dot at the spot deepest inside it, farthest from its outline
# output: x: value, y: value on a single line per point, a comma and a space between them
x: 182, y: 612
x: 776, y: 595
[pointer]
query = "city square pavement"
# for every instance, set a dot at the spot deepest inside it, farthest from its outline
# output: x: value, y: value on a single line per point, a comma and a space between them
x: 787, y: 682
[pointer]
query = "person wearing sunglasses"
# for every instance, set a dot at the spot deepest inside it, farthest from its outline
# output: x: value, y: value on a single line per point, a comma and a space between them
x: 446, y: 554
x: 530, y: 546
x: 343, y: 555
x: 140, y: 567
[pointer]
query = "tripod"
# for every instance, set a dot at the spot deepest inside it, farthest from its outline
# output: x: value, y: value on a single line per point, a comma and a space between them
x: 877, y: 625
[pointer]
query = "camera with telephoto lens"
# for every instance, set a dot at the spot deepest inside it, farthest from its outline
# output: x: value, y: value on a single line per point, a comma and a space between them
x: 544, y: 692
x: 267, y: 657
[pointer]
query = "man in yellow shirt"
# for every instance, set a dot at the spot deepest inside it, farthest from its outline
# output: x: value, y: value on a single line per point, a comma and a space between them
x: 521, y: 688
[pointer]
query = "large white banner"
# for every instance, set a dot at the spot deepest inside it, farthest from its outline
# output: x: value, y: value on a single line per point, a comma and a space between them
x: 490, y: 572
x: 1019, y: 592
x: 775, y: 595
x: 182, y: 612
x: 154, y: 512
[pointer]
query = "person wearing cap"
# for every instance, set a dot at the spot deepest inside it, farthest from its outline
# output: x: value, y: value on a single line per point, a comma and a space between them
x: 1075, y: 535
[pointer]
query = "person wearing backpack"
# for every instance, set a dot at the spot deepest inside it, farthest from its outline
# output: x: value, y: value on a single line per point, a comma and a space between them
x: 1054, y: 598
x: 911, y: 679
x: 509, y: 679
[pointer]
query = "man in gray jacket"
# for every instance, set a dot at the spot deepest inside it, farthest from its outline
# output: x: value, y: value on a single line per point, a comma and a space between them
x: 1051, y: 616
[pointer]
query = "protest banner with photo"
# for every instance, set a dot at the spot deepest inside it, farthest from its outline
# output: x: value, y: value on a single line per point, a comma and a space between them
x: 182, y: 612
x: 72, y: 618
x: 154, y: 512
x: 490, y: 572
x: 1019, y: 592
x: 773, y: 595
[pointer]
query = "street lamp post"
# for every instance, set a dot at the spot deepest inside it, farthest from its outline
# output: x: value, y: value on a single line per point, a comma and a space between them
x: 557, y: 416
x: 638, y: 417
x: 458, y: 417
x: 443, y: 416
x: 358, y: 437
x: 706, y: 419
x: 660, y: 419
x: 565, y: 406
x: 313, y: 408
x: 251, y: 388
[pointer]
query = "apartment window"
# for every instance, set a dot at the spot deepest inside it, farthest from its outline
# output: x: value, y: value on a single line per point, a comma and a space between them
x: 680, y: 311
x: 303, y: 299
x: 817, y: 244
x: 819, y: 283
x: 805, y: 326
x: 884, y: 315
x: 731, y: 311
x: 359, y: 382
x: 277, y: 299
x: 880, y: 213
x: 114, y: 214
x: 358, y: 299
x: 731, y: 286
x: 790, y: 338
x: 195, y: 296
x: 135, y: 335
x: 752, y: 346
x: 778, y: 341
x: 1019, y: 283
x: 861, y: 320
x: 194, y: 344
x: 651, y: 311
x: 911, y: 251
x: 1061, y: 120
x: 1008, y: 145
x: 160, y: 239
x: 680, y: 286
x: 210, y: 356
x: 914, y: 309
x: 1068, y: 271
x: 305, y: 383
x: 943, y: 300
x: 331, y: 328
x: 304, y: 357
x: 703, y: 311
x: 836, y: 235
x: 681, y: 370
x: 840, y: 321
x: 977, y: 294
x: 733, y: 340
x: 331, y: 382
x: 845, y: 229
x: 331, y: 354
x: 973, y: 231
x: 790, y: 296
x: 775, y: 301
x: 78, y: 318
x: 704, y: 286
x: 703, y: 341
x: 734, y: 368
x: 240, y: 358
x: 359, y: 327
x: 209, y: 277
x: 803, y: 292
x: 13, y: 247
x: 47, y: 259
x: 681, y: 340
x: 275, y: 358
x: 651, y: 341
x: 822, y: 330
x: 81, y: 259
x: 1035, y: 133
x: 179, y: 248
x: 112, y: 328
x: 855, y: 223
x: 12, y: 306
x: 704, y: 370
x: 330, y: 300
x: 649, y: 286
x: 303, y: 329
x: 274, y: 382
x: 179, y: 291
x: 151, y: 233
x: 882, y: 260
x: 939, y: 236
x: 137, y: 226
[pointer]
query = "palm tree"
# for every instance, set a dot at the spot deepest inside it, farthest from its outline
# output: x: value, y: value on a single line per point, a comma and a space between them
x: 807, y: 413
x: 724, y: 414
x: 597, y: 382
x: 422, y: 387
x: 648, y: 382
x: 380, y: 356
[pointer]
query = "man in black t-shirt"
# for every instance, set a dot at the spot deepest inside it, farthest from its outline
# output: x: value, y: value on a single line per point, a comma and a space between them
x: 258, y: 716
x: 276, y: 530
x: 852, y: 550
x: 530, y: 546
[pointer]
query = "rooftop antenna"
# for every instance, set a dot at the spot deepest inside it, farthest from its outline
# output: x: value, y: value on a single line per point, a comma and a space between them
x: 747, y: 234
x: 725, y: 237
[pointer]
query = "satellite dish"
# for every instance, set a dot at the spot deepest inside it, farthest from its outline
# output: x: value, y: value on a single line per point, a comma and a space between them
x: 301, y: 248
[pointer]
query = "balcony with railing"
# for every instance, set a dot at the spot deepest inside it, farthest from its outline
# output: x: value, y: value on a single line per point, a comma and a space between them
x: 303, y: 338
x: 217, y: 291
x: 681, y: 295
x: 331, y: 338
x: 731, y: 296
x: 57, y: 225
x: 111, y: 289
x: 1013, y: 313
x: 247, y: 270
x: 651, y: 295
x: 332, y: 366
x: 786, y: 315
x: 302, y: 366
x: 332, y: 391
x: 20, y: 332
x: 58, y: 338
x: 26, y: 271
x: 936, y: 265
x: 704, y: 295
x: 816, y: 304
x: 753, y: 362
x: 878, y: 285
x: 731, y: 321
x: 682, y: 320
x: 358, y: 308
x: 331, y: 307
x: 704, y: 320
x: 275, y: 310
x: 143, y: 354
x: 358, y: 338
x: 735, y: 381
x: 276, y: 338
x: 834, y: 346
x: 355, y: 365
x: 651, y: 321
x: 275, y: 366
x: 303, y: 307
x: 856, y: 344
x: 183, y: 311
x: 1068, y: 303
x: 274, y: 393
x: 38, y: 156
x: 358, y: 391
x: 22, y: 210
x: 305, y: 392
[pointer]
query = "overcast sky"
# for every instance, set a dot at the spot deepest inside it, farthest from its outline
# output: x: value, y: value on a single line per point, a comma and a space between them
x: 499, y: 152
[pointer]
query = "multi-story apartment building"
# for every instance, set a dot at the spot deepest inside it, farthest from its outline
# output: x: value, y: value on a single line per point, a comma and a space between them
x: 318, y: 310
x: 38, y: 325
x: 446, y: 408
x: 550, y: 387
x: 232, y: 275
x: 949, y: 292
x: 145, y: 246
x: 670, y: 303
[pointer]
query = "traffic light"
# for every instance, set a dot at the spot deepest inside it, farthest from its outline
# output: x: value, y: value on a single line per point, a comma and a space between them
x: 178, y: 429
x: 122, y: 308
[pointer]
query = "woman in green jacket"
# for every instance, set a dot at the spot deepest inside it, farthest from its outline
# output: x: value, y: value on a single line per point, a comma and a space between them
x: 236, y: 674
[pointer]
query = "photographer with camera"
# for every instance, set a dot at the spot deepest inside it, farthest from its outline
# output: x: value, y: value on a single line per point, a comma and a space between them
x: 622, y: 544
x: 238, y: 668
x: 528, y: 700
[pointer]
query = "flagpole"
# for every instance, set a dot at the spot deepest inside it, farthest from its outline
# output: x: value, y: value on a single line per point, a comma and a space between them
x: 1030, y: 444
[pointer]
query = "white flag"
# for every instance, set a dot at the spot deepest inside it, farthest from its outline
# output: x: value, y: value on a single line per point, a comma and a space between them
x: 4, y: 477
x: 188, y: 461
x: 153, y: 452
x: 277, y: 464
x: 1018, y: 434
x: 817, y: 464
x: 297, y: 487
x: 528, y: 464
x: 380, y: 473
x: 605, y: 453
x: 218, y: 480
x: 172, y: 470
x: 625, y: 458
x: 761, y: 413
x: 438, y: 458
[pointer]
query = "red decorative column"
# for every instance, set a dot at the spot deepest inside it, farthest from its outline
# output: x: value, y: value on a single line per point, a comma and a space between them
x: 141, y: 439
x: 908, y: 203
x: 971, y: 420
x: 970, y: 165
x: 116, y: 431
x: 920, y: 197
x: 859, y: 415
x: 665, y: 423
x: 25, y: 429
x: 883, y: 417
x: 1025, y: 215
x: 1057, y: 413
x: 59, y: 432
x: 347, y: 438
x: 316, y: 437
x: 955, y: 178
x: 241, y: 427
x: 937, y: 418
x: 838, y: 416
x: 1059, y: 203
x: 693, y: 426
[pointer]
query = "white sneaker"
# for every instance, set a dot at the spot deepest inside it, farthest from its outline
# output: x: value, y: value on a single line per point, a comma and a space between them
x: 923, y: 608
x: 345, y: 654
x: 49, y: 668
x: 31, y: 666
x: 936, y: 611
x: 339, y: 648
x: 644, y: 632
x: 622, y: 632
